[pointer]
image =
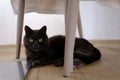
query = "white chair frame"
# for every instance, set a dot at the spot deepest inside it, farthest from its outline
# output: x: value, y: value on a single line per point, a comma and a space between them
x: 72, y: 18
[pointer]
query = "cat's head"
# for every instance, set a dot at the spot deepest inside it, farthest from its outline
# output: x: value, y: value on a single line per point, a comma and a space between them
x: 35, y: 40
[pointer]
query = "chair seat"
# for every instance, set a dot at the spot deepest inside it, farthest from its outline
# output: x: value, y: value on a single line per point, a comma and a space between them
x: 41, y: 6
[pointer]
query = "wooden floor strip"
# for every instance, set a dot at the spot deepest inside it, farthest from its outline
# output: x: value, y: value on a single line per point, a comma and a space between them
x: 112, y: 56
x: 101, y: 71
x: 53, y: 73
x: 108, y: 68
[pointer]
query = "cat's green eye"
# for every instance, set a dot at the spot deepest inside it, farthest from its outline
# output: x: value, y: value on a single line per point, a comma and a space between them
x: 31, y: 40
x: 40, y: 40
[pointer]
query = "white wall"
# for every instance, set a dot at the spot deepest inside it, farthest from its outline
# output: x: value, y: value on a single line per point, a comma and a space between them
x: 98, y: 22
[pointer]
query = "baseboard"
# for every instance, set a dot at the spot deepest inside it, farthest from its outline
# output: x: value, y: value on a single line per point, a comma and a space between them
x: 106, y: 42
x: 95, y: 42
x: 9, y: 46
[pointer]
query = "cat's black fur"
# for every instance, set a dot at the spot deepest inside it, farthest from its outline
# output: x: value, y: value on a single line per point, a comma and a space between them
x: 41, y: 50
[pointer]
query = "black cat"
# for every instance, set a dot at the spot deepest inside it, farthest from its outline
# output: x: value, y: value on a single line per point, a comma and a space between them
x: 41, y: 50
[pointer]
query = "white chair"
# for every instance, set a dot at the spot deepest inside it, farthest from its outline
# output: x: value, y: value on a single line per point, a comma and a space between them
x: 72, y: 18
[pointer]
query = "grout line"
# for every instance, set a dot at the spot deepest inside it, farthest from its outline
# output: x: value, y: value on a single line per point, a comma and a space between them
x: 83, y: 75
x: 111, y: 63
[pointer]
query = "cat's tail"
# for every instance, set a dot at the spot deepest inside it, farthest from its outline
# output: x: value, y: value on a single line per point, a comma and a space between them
x: 87, y: 59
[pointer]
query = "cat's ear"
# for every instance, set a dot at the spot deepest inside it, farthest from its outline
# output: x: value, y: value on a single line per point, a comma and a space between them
x: 43, y: 30
x: 28, y: 30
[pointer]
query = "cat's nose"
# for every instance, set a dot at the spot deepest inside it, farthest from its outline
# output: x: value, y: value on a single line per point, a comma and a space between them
x: 36, y: 44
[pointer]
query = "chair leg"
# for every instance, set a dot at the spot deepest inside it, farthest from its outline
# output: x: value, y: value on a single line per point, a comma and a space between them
x: 20, y: 18
x: 80, y: 25
x: 71, y: 18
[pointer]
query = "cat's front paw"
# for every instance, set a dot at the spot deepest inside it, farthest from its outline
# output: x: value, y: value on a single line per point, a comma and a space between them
x: 36, y: 64
x: 59, y: 62
x: 28, y: 65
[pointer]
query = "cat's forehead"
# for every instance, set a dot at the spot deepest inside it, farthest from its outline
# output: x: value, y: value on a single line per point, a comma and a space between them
x: 36, y: 34
x: 36, y: 31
